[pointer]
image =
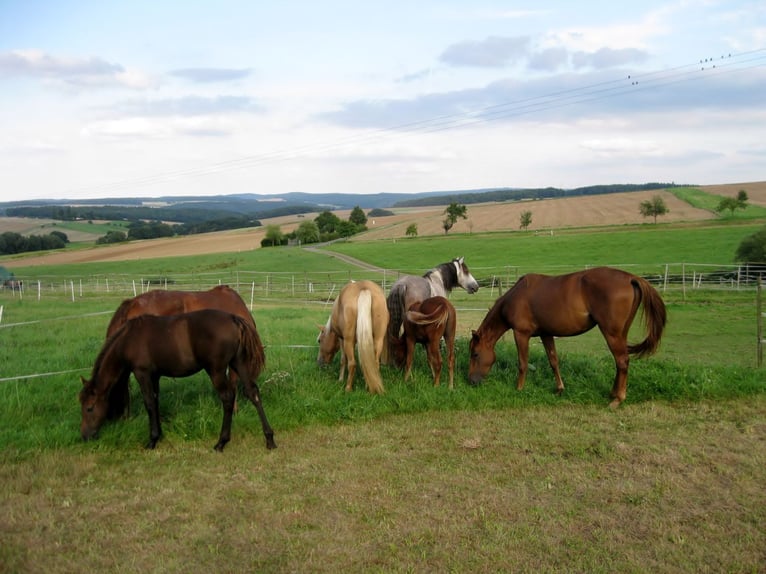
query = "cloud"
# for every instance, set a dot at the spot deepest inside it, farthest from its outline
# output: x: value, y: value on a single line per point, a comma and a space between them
x: 494, y: 52
x: 71, y: 71
x: 549, y: 60
x: 609, y: 58
x: 211, y: 75
x: 158, y: 128
x: 190, y: 106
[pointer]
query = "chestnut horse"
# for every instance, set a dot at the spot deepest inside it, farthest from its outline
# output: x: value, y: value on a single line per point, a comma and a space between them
x: 359, y: 315
x: 439, y: 281
x: 164, y: 302
x: 151, y: 347
x: 568, y: 305
x: 427, y: 323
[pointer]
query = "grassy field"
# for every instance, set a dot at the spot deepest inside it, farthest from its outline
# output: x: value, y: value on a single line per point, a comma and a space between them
x: 419, y: 479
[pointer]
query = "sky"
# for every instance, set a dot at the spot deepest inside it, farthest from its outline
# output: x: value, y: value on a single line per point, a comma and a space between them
x: 148, y: 99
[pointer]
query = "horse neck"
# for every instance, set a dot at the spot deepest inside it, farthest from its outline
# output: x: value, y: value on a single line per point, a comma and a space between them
x: 436, y: 281
x: 110, y: 366
x: 494, y: 324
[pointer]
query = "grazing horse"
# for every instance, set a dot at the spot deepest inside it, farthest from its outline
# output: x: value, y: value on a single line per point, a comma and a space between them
x: 151, y: 347
x: 568, y: 305
x: 439, y: 281
x: 359, y: 316
x: 427, y: 323
x: 164, y: 302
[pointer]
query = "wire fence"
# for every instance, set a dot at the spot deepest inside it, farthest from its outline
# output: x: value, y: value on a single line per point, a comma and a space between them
x: 298, y: 286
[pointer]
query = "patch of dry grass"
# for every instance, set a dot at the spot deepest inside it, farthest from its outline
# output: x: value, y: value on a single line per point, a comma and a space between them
x: 651, y: 487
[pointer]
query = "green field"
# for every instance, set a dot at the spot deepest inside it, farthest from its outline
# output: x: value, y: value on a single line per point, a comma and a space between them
x: 420, y: 478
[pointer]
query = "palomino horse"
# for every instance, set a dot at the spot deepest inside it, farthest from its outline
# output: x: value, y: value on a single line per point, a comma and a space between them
x: 359, y: 315
x: 164, y: 302
x: 568, y: 305
x: 151, y: 347
x: 427, y: 323
x: 439, y: 281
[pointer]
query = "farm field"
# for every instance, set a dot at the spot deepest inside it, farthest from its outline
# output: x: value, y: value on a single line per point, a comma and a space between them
x: 480, y: 479
x: 610, y: 209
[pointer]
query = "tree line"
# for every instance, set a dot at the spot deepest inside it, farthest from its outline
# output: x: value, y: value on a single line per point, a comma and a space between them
x: 12, y: 242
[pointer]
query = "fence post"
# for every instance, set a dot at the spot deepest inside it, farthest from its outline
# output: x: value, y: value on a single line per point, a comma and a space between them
x: 759, y: 307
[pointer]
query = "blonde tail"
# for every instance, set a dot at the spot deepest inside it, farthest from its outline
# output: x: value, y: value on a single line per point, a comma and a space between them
x: 366, y: 346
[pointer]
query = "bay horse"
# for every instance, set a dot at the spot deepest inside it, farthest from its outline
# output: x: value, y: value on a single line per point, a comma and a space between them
x: 568, y: 305
x: 359, y: 317
x: 169, y: 302
x: 151, y: 347
x: 409, y: 289
x: 427, y: 323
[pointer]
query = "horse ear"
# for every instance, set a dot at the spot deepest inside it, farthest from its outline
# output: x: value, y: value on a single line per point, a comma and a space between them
x: 460, y: 259
x: 84, y: 380
x: 321, y: 328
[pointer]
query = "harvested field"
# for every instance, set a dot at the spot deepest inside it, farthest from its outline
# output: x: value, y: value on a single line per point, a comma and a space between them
x: 615, y: 209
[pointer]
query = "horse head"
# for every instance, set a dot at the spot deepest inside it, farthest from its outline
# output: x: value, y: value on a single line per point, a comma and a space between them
x: 95, y: 408
x: 329, y: 343
x: 464, y: 277
x: 482, y: 357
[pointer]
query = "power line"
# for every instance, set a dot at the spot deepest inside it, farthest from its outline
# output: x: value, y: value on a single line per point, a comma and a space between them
x: 707, y: 67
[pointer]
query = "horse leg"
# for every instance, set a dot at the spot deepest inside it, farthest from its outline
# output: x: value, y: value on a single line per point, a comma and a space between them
x: 227, y: 393
x: 342, y: 365
x: 550, y: 349
x: 409, y: 357
x: 348, y: 352
x: 618, y: 345
x: 435, y: 360
x: 522, y: 348
x: 450, y: 342
x: 254, y: 394
x: 150, y: 385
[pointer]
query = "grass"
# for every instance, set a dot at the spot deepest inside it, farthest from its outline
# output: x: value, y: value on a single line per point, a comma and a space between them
x: 420, y: 479
x: 709, y: 201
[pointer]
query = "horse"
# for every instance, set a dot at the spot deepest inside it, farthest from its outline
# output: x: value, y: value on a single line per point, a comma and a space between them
x: 409, y: 289
x: 427, y: 323
x: 151, y: 347
x: 164, y: 302
x: 359, y: 316
x: 569, y: 305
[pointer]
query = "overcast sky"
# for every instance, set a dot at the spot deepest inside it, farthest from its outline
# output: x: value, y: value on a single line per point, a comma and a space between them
x: 148, y: 98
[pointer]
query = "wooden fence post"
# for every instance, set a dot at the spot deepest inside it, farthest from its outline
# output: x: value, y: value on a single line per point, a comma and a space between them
x: 759, y: 307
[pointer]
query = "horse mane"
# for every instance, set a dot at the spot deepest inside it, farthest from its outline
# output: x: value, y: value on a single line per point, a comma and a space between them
x: 107, y: 346
x: 445, y: 274
x: 120, y: 316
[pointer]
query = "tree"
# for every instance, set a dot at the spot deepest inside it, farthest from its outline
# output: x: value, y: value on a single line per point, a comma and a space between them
x: 273, y: 236
x: 327, y: 222
x: 61, y: 235
x: 752, y: 249
x: 453, y: 212
x: 525, y: 219
x: 653, y: 207
x: 307, y: 232
x: 357, y: 217
x: 732, y: 203
x: 412, y: 230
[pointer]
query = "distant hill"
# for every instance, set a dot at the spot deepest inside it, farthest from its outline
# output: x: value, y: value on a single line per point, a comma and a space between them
x: 251, y: 206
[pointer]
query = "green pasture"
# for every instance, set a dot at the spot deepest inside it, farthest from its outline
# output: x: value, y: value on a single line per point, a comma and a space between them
x: 419, y: 479
x: 709, y: 201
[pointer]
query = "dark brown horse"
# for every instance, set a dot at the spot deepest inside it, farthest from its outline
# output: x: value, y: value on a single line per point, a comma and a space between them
x: 164, y: 302
x: 567, y: 305
x: 151, y: 347
x: 427, y: 323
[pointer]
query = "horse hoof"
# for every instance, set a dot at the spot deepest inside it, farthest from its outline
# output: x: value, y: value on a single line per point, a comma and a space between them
x: 271, y: 445
x: 615, y: 403
x: 219, y: 446
x: 150, y: 445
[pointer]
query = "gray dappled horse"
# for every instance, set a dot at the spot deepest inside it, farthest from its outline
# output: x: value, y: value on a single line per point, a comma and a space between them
x: 439, y: 281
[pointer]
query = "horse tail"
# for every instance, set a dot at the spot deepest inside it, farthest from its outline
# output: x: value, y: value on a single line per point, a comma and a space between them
x: 251, y: 347
x: 366, y: 344
x: 395, y: 304
x: 438, y: 316
x: 119, y: 318
x: 655, y: 317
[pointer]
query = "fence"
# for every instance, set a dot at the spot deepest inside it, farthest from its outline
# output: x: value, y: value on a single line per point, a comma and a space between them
x: 321, y: 286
